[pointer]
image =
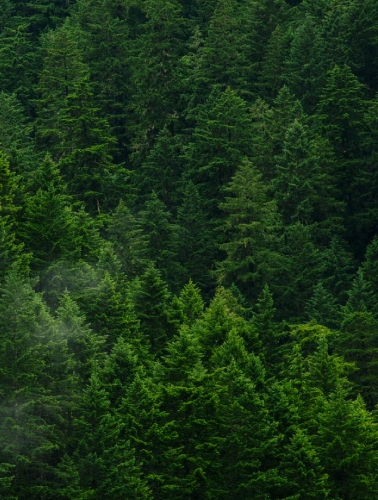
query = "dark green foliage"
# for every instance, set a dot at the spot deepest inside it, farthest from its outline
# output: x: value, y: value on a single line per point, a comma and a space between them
x: 251, y: 232
x: 358, y: 343
x: 156, y: 222
x: 195, y: 245
x: 220, y: 141
x: 129, y: 241
x: 15, y: 139
x: 103, y: 38
x: 150, y: 298
x: 149, y: 151
x: 154, y: 85
x: 361, y: 297
x: 323, y: 308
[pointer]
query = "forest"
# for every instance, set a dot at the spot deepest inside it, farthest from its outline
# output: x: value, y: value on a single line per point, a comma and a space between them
x: 188, y: 249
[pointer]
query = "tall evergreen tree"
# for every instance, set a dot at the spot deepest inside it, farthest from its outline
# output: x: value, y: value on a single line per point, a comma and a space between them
x: 251, y: 227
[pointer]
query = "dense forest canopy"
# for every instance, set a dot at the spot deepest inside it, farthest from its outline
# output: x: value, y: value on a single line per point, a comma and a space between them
x: 188, y: 249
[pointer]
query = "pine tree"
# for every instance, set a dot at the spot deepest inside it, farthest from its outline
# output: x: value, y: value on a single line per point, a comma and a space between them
x: 154, y: 84
x: 223, y: 315
x: 129, y: 241
x: 304, y: 187
x: 245, y: 438
x: 48, y: 222
x: 221, y: 139
x: 162, y: 233
x: 150, y: 297
x: 345, y: 441
x: 187, y: 308
x: 83, y: 344
x: 111, y: 314
x: 104, y: 40
x: 322, y: 307
x: 69, y: 124
x: 357, y: 342
x: 196, y: 246
x: 228, y: 57
x: 15, y: 140
x: 251, y: 232
x: 305, y: 67
x: 360, y: 297
x: 29, y: 411
x: 185, y: 403
x: 105, y: 463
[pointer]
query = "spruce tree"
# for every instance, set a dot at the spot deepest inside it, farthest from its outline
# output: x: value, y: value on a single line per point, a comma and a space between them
x: 251, y: 232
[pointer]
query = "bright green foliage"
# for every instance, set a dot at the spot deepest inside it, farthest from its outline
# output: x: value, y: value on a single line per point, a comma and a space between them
x: 129, y: 241
x: 358, y: 343
x: 183, y: 455
x: 223, y: 315
x: 187, y: 308
x: 245, y: 438
x: 151, y: 150
x: 301, y: 472
x: 346, y: 442
x: 142, y: 414
x: 251, y: 232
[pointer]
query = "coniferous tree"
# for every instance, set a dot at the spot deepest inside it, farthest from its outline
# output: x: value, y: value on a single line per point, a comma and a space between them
x: 220, y: 141
x: 29, y: 411
x: 357, y: 342
x: 162, y: 233
x: 360, y: 297
x: 129, y: 241
x: 322, y: 307
x: 196, y: 248
x: 251, y: 232
x: 150, y: 297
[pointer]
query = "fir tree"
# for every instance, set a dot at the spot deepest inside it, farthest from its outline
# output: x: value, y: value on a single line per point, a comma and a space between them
x: 251, y: 227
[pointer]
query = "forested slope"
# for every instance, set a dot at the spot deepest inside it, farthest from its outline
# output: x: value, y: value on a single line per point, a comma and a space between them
x: 188, y: 249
